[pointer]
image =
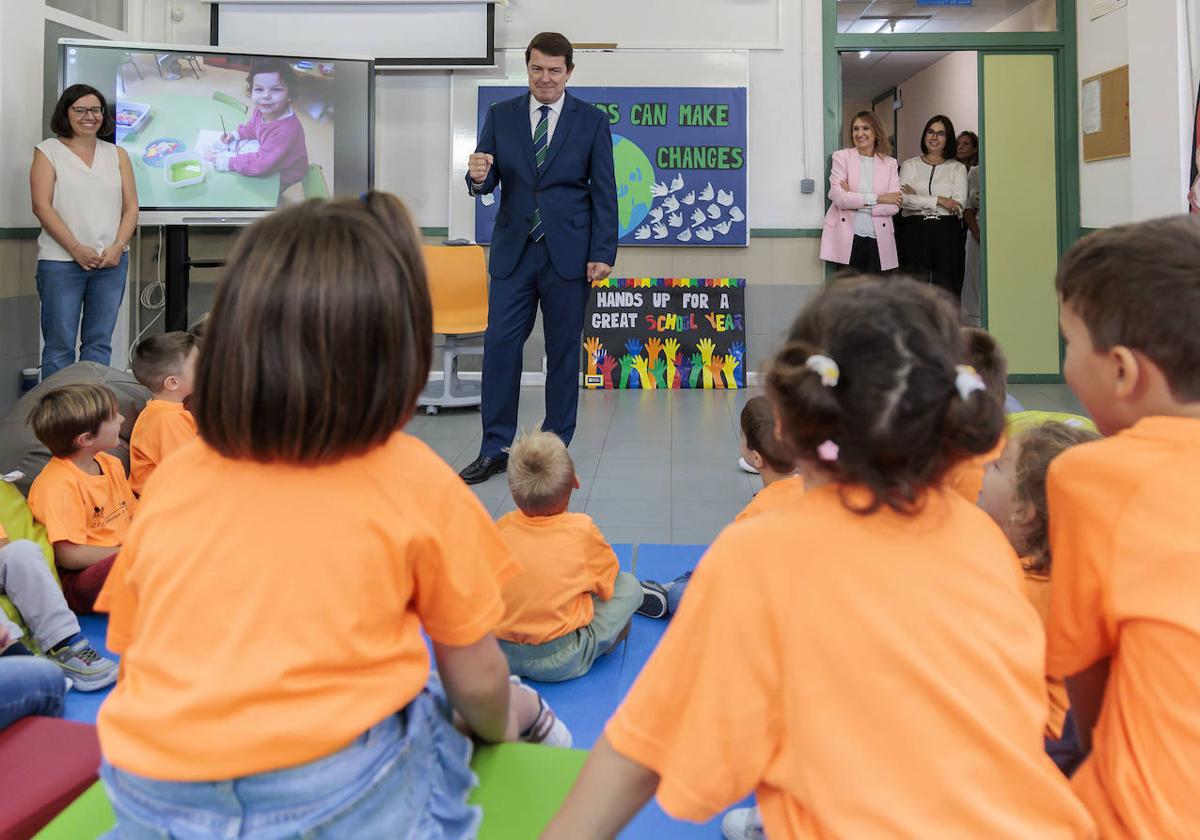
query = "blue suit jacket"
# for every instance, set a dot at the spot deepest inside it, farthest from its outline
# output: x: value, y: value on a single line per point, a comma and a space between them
x: 576, y: 189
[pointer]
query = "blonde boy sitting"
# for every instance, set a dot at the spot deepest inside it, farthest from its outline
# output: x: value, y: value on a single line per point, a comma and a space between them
x: 166, y: 365
x: 571, y: 604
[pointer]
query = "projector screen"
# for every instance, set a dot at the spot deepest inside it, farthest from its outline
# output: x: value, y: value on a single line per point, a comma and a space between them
x: 219, y: 137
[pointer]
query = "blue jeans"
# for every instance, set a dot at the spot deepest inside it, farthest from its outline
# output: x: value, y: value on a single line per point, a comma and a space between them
x: 406, y: 777
x: 69, y: 293
x: 29, y: 686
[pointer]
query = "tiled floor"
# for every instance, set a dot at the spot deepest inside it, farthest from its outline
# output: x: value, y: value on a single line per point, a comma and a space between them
x: 654, y: 467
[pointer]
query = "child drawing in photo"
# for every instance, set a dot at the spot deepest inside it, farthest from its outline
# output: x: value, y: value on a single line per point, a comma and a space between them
x: 278, y: 136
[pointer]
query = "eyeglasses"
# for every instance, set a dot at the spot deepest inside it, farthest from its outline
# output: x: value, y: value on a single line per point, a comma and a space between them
x: 80, y: 111
x: 932, y: 133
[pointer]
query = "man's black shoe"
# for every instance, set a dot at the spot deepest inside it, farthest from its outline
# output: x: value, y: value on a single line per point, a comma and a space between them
x: 483, y: 468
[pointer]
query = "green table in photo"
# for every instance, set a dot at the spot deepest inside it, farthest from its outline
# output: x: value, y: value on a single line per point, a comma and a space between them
x: 181, y: 118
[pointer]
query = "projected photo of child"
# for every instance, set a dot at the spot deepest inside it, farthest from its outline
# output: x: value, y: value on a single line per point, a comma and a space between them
x: 273, y: 139
x: 226, y: 131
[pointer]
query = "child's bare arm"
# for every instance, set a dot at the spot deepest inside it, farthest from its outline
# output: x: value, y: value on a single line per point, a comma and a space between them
x: 1086, y: 690
x: 476, y: 682
x: 610, y: 790
x: 74, y: 557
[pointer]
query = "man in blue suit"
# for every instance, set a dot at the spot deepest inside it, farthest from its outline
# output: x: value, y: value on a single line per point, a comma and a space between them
x: 556, y: 230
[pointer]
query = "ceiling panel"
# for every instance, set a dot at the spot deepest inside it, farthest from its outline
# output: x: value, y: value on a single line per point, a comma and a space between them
x: 857, y: 16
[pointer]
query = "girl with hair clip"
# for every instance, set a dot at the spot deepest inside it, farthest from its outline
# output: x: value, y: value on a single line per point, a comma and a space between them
x: 270, y: 604
x: 886, y: 679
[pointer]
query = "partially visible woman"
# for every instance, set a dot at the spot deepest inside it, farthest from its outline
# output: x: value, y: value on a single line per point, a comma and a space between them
x: 967, y: 149
x: 85, y: 197
x: 934, y: 188
x: 864, y: 186
x: 972, y: 289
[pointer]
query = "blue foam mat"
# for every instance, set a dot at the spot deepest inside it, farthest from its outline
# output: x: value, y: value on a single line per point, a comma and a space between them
x: 584, y: 704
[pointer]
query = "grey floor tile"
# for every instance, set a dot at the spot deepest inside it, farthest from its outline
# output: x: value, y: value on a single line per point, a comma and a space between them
x: 637, y: 535
x: 491, y: 491
x: 504, y: 505
x: 731, y: 488
x: 694, y: 515
x: 450, y: 427
x: 705, y: 463
x: 647, y: 487
x: 626, y: 446
x: 450, y: 451
x: 722, y: 447
x: 634, y: 469
x: 626, y: 513
x: 632, y: 431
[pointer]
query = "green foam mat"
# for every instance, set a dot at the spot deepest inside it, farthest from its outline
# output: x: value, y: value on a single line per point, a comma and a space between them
x: 87, y: 817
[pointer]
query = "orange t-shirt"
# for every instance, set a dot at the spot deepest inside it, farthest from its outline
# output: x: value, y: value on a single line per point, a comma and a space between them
x: 885, y: 681
x: 161, y: 428
x: 966, y: 477
x: 565, y: 561
x: 81, y: 508
x: 269, y: 614
x: 1126, y: 586
x: 777, y: 495
x: 1037, y: 589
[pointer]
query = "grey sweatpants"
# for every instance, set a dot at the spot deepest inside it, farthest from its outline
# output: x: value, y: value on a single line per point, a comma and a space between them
x: 26, y: 580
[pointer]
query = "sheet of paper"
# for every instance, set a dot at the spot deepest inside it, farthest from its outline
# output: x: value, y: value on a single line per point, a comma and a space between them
x: 206, y: 137
x: 1091, y: 107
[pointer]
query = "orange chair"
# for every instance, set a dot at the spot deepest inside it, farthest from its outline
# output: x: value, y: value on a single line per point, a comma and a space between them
x: 458, y: 286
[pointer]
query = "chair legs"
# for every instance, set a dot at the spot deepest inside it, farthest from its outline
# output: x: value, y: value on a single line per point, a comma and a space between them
x: 451, y: 391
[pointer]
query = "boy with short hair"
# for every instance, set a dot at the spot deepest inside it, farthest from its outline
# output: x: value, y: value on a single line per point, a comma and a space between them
x: 166, y: 365
x: 82, y: 495
x: 774, y: 464
x: 26, y: 580
x: 1124, y: 625
x: 571, y: 604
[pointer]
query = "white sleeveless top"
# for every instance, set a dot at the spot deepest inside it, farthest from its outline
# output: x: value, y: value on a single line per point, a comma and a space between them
x: 87, y: 199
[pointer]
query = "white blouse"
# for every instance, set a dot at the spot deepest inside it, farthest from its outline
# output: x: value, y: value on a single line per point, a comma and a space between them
x: 86, y: 198
x: 948, y: 179
x: 864, y: 225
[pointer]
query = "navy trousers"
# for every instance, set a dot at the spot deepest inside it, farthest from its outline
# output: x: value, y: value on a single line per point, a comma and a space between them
x: 512, y: 307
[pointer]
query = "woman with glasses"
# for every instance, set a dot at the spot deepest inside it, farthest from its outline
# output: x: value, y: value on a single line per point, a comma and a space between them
x: 934, y: 188
x: 86, y: 200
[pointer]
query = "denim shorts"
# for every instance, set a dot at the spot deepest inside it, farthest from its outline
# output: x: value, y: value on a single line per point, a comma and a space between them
x: 406, y: 777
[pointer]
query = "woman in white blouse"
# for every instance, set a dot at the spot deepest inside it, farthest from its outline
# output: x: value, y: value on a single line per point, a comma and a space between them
x: 85, y: 197
x: 935, y: 189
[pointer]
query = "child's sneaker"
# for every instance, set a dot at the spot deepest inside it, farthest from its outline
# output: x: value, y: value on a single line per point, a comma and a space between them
x: 742, y: 824
x: 84, y: 665
x: 546, y: 728
x: 745, y: 467
x: 654, y: 600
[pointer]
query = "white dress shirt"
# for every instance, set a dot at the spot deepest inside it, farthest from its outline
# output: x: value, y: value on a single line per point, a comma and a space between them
x: 535, y: 114
x: 864, y: 225
x: 948, y: 179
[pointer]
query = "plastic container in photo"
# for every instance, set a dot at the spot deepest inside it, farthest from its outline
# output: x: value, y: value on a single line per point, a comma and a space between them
x: 130, y: 117
x: 183, y: 169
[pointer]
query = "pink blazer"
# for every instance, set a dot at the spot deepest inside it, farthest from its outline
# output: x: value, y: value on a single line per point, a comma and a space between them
x: 837, y: 237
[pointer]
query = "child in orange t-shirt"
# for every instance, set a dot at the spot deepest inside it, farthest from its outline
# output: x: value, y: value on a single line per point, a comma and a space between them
x: 570, y: 604
x: 81, y: 495
x: 865, y: 661
x: 1014, y: 495
x: 269, y: 603
x: 782, y: 486
x: 166, y: 365
x: 1125, y: 596
x: 983, y: 354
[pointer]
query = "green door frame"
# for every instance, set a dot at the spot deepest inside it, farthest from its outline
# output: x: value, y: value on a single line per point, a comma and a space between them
x: 1061, y: 44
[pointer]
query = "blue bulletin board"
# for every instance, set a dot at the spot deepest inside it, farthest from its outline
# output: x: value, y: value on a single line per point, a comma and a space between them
x: 680, y: 156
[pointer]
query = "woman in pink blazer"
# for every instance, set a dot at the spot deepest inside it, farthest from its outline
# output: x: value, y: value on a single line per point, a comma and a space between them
x: 864, y: 186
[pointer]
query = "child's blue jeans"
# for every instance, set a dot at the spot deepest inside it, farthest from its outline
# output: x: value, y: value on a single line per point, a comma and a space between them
x: 406, y: 777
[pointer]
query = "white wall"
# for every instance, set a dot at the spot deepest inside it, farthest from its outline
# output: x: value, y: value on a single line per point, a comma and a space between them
x: 950, y: 87
x: 1104, y: 185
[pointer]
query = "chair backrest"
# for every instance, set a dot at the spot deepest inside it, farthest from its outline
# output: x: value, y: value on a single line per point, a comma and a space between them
x: 313, y: 184
x: 226, y: 99
x: 458, y: 286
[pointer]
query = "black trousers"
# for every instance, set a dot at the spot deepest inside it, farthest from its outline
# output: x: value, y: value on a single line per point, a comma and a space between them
x: 864, y: 254
x: 932, y: 250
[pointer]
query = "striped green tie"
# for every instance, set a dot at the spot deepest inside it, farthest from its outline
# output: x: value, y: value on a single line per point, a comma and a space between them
x: 541, y: 143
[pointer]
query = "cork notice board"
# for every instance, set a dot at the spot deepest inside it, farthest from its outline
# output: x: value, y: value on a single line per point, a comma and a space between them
x: 1105, y: 115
